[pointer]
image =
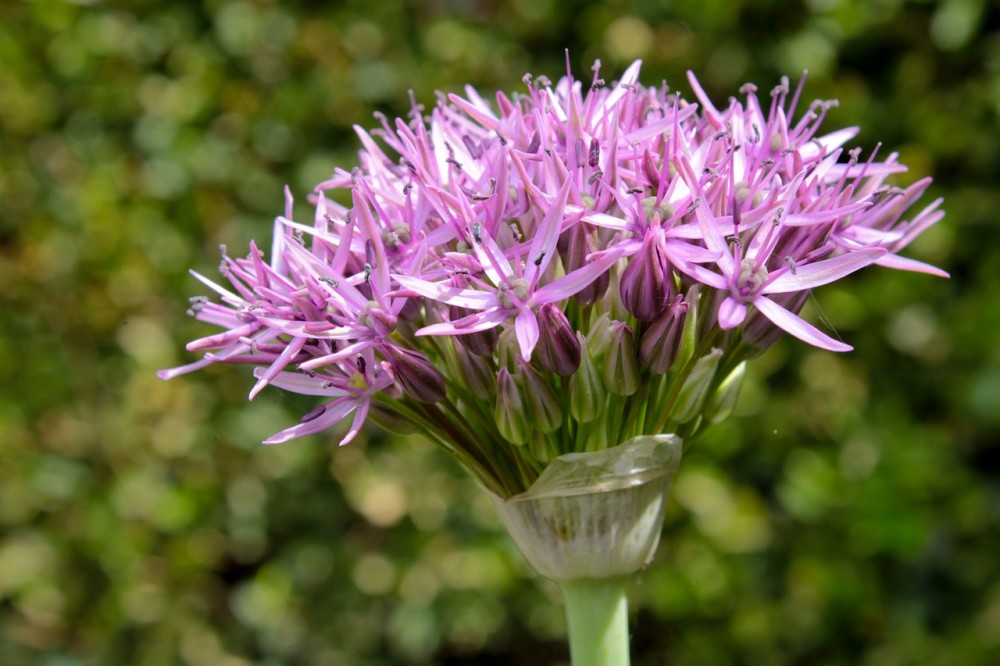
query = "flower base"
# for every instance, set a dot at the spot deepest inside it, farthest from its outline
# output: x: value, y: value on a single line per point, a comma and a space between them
x: 588, y: 522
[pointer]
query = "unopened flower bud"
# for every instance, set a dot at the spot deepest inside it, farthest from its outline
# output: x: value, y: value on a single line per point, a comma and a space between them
x: 644, y: 288
x: 558, y: 349
x: 661, y: 342
x: 621, y: 367
x: 509, y: 412
x: 695, y: 389
x: 599, y: 337
x: 724, y: 399
x: 544, y: 411
x: 586, y: 392
x: 475, y: 372
x: 415, y: 373
x: 580, y: 245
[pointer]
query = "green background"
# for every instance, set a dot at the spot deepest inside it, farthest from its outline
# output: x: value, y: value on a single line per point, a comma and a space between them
x: 848, y: 514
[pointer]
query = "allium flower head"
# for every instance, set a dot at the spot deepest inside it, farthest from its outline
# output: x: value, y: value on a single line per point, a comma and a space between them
x: 467, y: 286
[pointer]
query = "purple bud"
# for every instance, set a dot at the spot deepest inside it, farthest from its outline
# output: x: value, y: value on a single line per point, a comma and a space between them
x: 415, y: 373
x: 558, y: 349
x: 661, y: 342
x: 621, y: 367
x: 580, y: 245
x: 509, y: 412
x: 544, y: 409
x: 644, y: 289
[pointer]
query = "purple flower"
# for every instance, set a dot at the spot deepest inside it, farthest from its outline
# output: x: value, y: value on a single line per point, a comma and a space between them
x: 466, y: 288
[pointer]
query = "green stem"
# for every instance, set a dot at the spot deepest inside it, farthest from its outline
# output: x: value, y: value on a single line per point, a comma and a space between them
x: 597, y: 621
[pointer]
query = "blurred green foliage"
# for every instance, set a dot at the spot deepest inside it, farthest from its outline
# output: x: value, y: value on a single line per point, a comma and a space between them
x: 849, y: 514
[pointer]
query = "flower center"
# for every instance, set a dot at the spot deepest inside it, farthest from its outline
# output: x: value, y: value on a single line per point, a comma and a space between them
x: 517, y: 287
x: 750, y: 279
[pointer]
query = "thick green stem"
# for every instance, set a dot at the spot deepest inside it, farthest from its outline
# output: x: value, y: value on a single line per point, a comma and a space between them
x: 597, y: 621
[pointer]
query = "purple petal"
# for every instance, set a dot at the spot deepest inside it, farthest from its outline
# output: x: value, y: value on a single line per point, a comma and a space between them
x: 526, y: 328
x: 480, y: 321
x: 797, y: 326
x: 464, y: 298
x: 346, y: 352
x: 359, y: 420
x: 600, y: 219
x: 296, y: 382
x: 703, y: 275
x: 544, y: 244
x: 170, y: 373
x: 312, y: 329
x: 822, y: 272
x: 280, y: 363
x: 731, y: 313
x: 570, y: 284
x: 905, y: 264
x: 334, y: 413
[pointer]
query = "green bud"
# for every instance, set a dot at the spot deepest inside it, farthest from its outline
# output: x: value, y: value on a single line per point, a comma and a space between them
x: 586, y: 392
x: 509, y: 412
x: 544, y: 411
x: 621, y: 367
x: 724, y: 400
x: 695, y: 389
x: 474, y: 372
x: 689, y: 337
x: 599, y: 337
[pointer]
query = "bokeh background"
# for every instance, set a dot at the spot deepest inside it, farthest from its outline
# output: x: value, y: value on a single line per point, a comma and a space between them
x: 848, y: 514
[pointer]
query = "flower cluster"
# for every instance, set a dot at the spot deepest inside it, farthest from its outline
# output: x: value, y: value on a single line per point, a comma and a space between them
x: 557, y: 270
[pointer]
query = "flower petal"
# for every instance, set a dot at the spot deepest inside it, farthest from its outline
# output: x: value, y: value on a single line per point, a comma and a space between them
x: 297, y: 382
x: 731, y: 313
x: 526, y: 328
x: 334, y: 413
x: 822, y: 272
x: 463, y: 298
x: 795, y: 325
x: 906, y: 264
x: 480, y: 321
x: 570, y: 284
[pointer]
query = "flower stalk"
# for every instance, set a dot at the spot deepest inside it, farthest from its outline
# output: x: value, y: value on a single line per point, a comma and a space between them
x: 597, y: 621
